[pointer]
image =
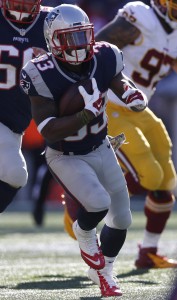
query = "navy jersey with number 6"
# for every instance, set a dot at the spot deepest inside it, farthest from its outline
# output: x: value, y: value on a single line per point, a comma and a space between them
x: 16, y: 45
x: 46, y: 77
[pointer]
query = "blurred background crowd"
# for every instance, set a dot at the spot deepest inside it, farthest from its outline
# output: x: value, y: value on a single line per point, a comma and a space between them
x: 163, y: 103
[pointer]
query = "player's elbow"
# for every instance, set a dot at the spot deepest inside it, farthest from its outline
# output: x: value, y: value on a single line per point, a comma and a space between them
x: 51, y: 134
x: 51, y: 137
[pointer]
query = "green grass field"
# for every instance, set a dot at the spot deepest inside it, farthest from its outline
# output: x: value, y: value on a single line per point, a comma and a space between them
x: 44, y: 263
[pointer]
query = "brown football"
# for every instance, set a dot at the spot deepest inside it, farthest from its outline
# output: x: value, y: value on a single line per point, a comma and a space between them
x: 72, y: 101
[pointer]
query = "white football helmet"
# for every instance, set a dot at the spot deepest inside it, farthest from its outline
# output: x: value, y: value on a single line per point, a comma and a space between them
x: 167, y: 9
x: 69, y: 34
x: 21, y: 11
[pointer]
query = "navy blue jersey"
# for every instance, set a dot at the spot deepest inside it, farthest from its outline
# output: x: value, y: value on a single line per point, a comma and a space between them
x: 45, y: 76
x: 15, y: 50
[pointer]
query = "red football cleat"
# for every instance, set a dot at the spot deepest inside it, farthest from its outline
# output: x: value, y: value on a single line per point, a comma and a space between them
x: 148, y: 258
x: 105, y: 281
x: 90, y: 250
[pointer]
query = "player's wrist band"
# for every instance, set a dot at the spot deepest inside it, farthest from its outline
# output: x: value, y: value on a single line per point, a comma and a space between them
x: 43, y: 123
x: 84, y: 117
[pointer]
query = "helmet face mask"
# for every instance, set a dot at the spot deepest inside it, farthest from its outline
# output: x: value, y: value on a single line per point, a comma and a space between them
x: 21, y: 11
x: 166, y: 9
x: 74, y: 45
x: 69, y: 34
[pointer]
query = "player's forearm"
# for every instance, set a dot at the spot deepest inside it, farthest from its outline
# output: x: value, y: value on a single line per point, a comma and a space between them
x: 60, y: 128
x: 107, y: 33
x: 119, y: 32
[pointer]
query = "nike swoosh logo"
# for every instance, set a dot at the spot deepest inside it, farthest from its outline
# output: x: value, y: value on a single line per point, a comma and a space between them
x: 94, y: 262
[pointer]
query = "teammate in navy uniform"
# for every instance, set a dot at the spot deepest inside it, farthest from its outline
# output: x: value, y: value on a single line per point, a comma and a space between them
x: 78, y: 151
x: 20, y: 30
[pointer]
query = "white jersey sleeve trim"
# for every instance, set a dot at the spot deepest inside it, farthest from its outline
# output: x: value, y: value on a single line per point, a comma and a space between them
x: 43, y: 123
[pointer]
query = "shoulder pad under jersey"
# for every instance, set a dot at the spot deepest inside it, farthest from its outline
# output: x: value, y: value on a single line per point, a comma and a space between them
x: 36, y: 80
x: 119, y: 58
x: 139, y: 15
x: 106, y: 49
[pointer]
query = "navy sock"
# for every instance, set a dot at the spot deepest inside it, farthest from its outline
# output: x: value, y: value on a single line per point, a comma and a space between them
x: 112, y: 240
x: 7, y: 193
x: 89, y: 220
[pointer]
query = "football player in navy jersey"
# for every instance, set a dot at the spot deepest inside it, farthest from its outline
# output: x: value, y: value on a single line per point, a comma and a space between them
x: 21, y: 39
x: 78, y: 151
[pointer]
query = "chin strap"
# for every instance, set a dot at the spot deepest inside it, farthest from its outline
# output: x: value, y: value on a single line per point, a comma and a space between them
x: 76, y: 57
x: 19, y: 16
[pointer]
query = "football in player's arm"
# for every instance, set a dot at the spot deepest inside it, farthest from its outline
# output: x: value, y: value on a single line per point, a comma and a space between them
x: 78, y: 151
x: 21, y: 39
x: 148, y: 36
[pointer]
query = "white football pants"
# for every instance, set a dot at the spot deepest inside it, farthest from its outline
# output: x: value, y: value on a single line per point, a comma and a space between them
x: 13, y: 169
x: 96, y: 181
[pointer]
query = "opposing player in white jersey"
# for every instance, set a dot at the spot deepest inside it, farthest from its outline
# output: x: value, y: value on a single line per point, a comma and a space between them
x: 78, y: 152
x: 148, y: 37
